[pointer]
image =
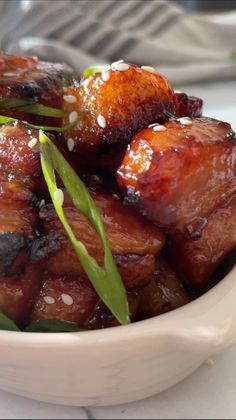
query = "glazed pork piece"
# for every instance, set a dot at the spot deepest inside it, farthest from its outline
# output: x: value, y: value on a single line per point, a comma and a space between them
x: 18, y: 221
x: 134, y: 241
x: 18, y: 294
x: 189, y: 106
x: 179, y: 173
x: 29, y: 79
x: 73, y: 299
x: 197, y: 259
x: 164, y: 293
x: 19, y: 170
x: 120, y: 102
x: 19, y: 153
x: 183, y: 176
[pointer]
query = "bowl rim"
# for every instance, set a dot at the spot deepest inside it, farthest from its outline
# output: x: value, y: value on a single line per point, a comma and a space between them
x: 197, y: 318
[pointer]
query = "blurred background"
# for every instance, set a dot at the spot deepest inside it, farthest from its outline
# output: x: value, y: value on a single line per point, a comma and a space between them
x: 207, y: 5
x: 188, y: 40
x: 192, y: 42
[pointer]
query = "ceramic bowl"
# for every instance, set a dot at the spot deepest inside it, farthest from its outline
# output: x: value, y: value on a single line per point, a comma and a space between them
x: 121, y: 364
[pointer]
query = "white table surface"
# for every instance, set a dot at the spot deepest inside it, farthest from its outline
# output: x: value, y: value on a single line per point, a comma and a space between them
x: 209, y: 393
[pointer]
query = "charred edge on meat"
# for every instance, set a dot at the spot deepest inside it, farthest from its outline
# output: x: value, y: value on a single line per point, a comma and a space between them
x: 42, y: 247
x: 10, y: 246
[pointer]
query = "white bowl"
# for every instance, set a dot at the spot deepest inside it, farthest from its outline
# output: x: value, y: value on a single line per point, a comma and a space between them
x: 121, y: 364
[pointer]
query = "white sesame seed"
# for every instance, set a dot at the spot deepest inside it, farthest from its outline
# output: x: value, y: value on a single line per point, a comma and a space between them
x: 32, y: 143
x: 105, y: 76
x: 177, y: 91
x: 148, y: 68
x: 159, y: 128
x: 101, y: 121
x: 209, y: 362
x: 185, y: 121
x: 153, y: 125
x: 70, y: 99
x: 9, y: 74
x: 59, y: 196
x: 73, y: 117
x: 67, y: 299
x: 117, y: 62
x: 121, y: 66
x: 70, y: 144
x: 49, y: 300
x: 42, y: 203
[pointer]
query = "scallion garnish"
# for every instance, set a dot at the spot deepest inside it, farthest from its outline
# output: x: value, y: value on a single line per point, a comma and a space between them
x: 5, y: 120
x: 106, y: 281
x: 8, y: 103
x: 42, y: 110
x: 6, y: 324
x: 55, y: 129
x: 31, y: 107
x: 52, y: 325
x: 90, y: 71
x: 45, y: 325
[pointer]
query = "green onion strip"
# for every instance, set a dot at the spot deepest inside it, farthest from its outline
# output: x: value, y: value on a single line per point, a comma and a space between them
x: 31, y: 107
x: 106, y: 281
x: 6, y: 120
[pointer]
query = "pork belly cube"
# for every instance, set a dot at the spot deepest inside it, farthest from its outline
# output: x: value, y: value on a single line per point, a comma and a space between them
x: 65, y: 298
x: 19, y: 152
x: 189, y: 106
x: 18, y: 212
x: 18, y: 294
x: 196, y: 259
x: 134, y: 241
x: 179, y: 173
x: 18, y: 220
x: 101, y: 317
x: 164, y: 293
x: 29, y: 79
x: 119, y: 104
x: 73, y: 299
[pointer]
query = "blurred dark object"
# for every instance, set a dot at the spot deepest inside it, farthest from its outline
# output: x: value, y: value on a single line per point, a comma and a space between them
x: 206, y: 5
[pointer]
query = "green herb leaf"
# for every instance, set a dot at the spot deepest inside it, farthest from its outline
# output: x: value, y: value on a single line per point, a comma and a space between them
x: 13, y: 102
x: 31, y: 107
x: 52, y: 325
x: 5, y: 120
x: 55, y: 129
x: 90, y: 71
x: 106, y: 281
x: 7, y: 324
x: 44, y: 111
